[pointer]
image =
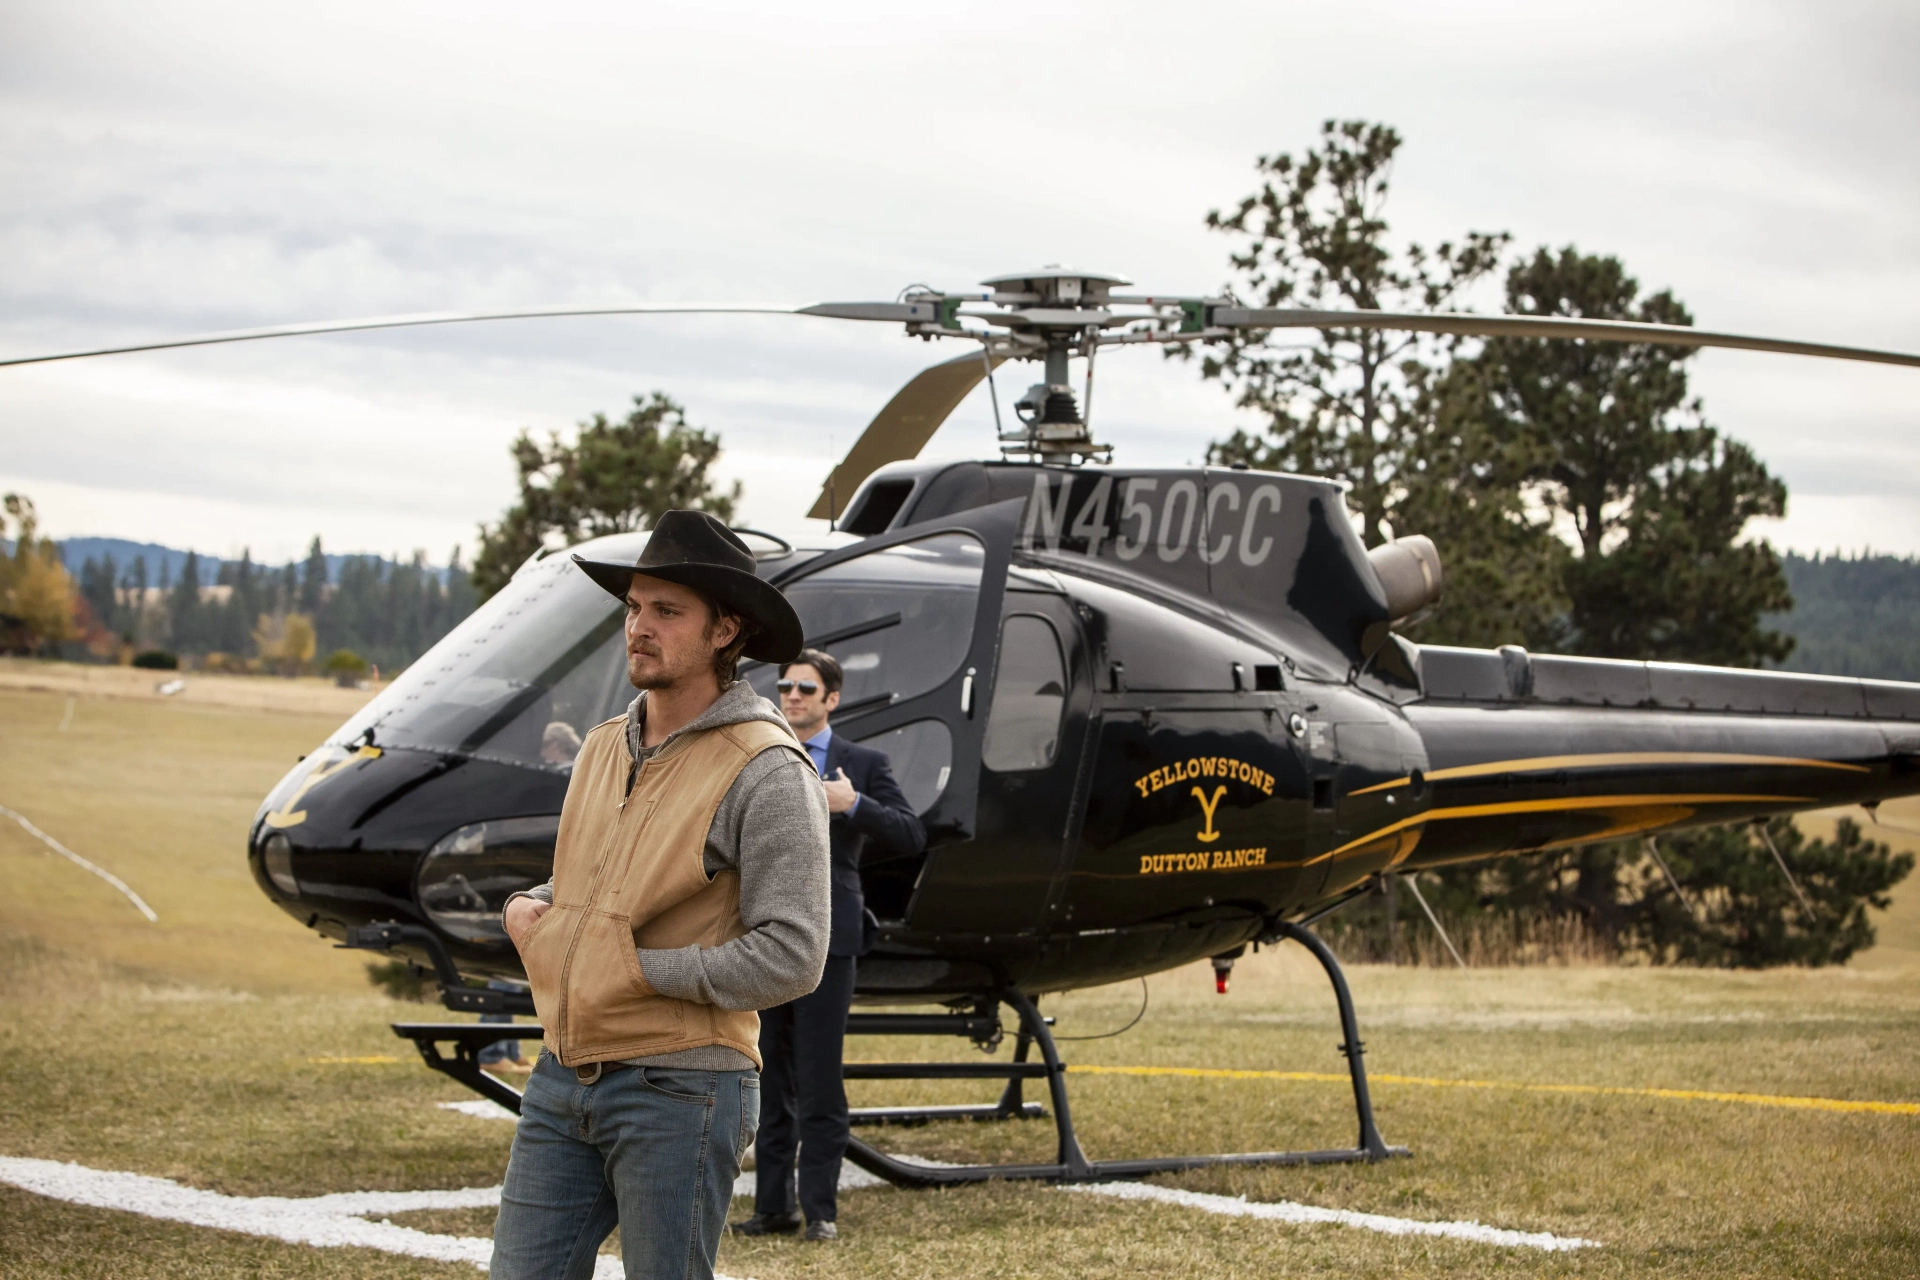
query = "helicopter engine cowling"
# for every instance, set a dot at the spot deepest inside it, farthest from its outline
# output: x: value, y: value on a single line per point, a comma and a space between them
x: 1410, y: 574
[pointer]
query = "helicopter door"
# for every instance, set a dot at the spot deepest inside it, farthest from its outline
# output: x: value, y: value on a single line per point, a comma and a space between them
x: 1031, y: 759
x: 913, y: 619
x: 1198, y: 811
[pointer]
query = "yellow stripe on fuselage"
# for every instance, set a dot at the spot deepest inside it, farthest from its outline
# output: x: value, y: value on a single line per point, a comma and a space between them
x: 1612, y: 760
x: 1562, y: 804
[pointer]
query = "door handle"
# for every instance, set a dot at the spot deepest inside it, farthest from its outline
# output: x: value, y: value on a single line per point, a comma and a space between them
x: 966, y: 694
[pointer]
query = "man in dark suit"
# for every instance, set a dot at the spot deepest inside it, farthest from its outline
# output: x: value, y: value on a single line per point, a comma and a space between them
x: 803, y: 1100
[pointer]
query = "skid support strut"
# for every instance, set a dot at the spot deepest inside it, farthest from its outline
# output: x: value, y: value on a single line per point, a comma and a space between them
x: 468, y: 1039
x: 1070, y: 1163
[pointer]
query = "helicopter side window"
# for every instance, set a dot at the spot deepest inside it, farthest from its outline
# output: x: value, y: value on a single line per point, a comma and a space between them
x: 1029, y: 695
x: 921, y: 758
x: 899, y: 619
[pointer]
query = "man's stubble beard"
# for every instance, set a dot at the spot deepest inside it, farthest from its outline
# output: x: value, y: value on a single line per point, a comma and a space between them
x: 662, y: 674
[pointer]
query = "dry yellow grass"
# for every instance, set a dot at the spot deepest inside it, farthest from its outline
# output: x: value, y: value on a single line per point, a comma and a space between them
x: 190, y: 1050
x: 305, y: 695
x: 160, y: 793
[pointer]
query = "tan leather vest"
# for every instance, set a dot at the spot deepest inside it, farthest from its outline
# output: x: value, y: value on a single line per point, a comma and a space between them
x: 628, y: 872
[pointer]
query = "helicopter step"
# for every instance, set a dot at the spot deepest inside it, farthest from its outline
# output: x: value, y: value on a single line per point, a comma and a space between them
x: 982, y: 1026
x: 468, y: 1039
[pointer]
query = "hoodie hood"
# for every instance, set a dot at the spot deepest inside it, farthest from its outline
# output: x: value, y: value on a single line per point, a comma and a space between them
x: 737, y: 704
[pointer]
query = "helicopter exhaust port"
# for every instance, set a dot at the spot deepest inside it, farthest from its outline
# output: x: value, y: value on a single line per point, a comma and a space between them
x: 1223, y: 967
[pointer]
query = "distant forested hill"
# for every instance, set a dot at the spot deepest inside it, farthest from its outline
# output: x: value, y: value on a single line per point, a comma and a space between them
x: 388, y: 611
x: 75, y: 552
x: 1853, y: 617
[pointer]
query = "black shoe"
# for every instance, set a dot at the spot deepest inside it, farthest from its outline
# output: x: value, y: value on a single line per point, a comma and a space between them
x: 822, y: 1231
x: 767, y: 1224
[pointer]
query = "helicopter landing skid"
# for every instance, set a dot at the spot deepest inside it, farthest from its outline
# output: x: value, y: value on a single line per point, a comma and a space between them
x: 1070, y: 1163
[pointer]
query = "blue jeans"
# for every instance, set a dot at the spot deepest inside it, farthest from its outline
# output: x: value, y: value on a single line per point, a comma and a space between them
x: 651, y: 1149
x: 500, y: 1050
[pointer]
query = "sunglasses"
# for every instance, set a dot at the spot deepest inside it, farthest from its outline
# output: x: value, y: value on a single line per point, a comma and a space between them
x: 807, y: 687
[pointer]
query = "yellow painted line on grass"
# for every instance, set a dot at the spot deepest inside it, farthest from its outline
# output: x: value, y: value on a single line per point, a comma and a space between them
x: 1689, y: 1095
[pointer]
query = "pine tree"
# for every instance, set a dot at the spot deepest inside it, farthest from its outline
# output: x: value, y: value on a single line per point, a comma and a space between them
x: 1392, y: 414
x: 313, y: 579
x: 1659, y: 500
x: 613, y: 477
x: 184, y: 609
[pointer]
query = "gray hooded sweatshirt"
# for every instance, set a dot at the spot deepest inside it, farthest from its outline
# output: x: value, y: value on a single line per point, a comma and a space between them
x: 771, y: 827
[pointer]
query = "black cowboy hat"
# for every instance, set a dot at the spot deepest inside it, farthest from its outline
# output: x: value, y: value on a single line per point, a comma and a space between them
x: 696, y: 550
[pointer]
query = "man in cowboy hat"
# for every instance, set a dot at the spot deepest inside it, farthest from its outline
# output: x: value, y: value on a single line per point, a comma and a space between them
x: 690, y: 889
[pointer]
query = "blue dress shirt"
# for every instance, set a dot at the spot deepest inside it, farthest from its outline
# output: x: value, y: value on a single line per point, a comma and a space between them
x: 817, y: 751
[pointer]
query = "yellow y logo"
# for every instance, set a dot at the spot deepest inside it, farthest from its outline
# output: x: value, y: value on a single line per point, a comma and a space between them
x: 1207, y: 807
x: 287, y: 816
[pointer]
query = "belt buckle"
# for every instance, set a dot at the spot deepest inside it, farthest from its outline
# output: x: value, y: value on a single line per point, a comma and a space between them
x: 589, y: 1074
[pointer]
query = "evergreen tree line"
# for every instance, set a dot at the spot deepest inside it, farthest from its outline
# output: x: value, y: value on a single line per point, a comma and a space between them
x: 384, y: 612
x: 1583, y: 503
x: 1854, y: 615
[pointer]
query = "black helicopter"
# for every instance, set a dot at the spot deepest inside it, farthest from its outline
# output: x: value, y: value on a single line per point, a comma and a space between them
x: 1148, y: 716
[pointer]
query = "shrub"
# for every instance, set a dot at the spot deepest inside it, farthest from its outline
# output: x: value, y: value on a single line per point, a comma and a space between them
x: 157, y: 660
x: 402, y: 981
x: 346, y: 667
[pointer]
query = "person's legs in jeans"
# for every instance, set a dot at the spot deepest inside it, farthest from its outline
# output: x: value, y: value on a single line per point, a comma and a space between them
x: 662, y: 1145
x: 819, y: 1039
x: 779, y: 1128
x: 673, y: 1141
x: 500, y: 1050
x: 556, y: 1206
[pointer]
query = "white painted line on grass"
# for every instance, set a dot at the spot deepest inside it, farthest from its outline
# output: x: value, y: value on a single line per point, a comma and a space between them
x: 327, y: 1222
x: 1287, y: 1211
x: 79, y: 861
x: 483, y: 1108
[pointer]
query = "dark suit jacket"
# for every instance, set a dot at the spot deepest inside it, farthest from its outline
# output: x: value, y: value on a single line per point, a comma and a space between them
x: 883, y: 824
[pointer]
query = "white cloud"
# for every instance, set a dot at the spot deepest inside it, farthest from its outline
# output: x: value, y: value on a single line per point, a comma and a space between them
x: 225, y: 164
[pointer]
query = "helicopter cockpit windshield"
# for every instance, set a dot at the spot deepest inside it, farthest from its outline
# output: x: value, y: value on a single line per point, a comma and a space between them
x: 521, y: 680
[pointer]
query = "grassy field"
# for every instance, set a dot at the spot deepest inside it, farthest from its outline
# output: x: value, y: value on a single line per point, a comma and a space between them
x: 231, y: 1050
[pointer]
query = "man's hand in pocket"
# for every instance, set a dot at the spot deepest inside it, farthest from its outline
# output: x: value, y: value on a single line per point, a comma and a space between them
x: 520, y: 915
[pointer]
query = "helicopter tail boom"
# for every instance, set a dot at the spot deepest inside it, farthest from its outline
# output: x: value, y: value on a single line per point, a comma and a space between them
x: 1530, y: 753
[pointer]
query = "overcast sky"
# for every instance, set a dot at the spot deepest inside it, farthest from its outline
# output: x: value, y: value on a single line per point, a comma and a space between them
x: 177, y: 168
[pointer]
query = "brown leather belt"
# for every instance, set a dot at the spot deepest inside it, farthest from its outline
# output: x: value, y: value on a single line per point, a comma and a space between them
x: 591, y: 1073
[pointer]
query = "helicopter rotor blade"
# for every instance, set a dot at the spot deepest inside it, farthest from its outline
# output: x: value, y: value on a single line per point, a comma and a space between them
x: 903, y: 427
x: 398, y: 322
x: 1512, y: 326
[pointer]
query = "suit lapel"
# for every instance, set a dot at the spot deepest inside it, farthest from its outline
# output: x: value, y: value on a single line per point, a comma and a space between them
x: 836, y: 754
